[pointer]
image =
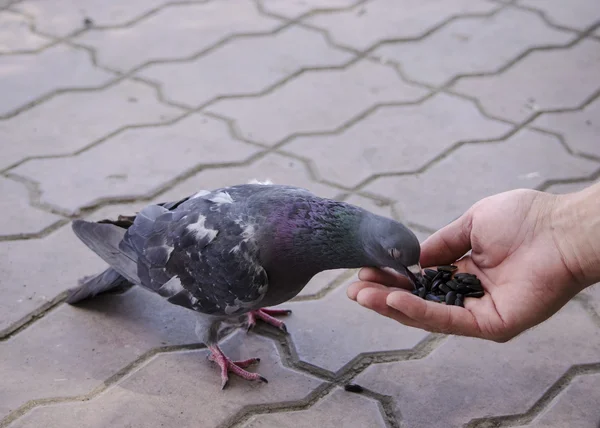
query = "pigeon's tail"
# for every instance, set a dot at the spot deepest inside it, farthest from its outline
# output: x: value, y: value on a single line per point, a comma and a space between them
x: 105, y: 239
x: 93, y: 285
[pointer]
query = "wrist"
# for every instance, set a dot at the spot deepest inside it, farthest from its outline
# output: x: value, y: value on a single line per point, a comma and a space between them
x: 575, y: 224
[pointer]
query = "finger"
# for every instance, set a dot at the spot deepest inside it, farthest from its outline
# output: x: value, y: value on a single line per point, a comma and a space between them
x: 436, y: 317
x: 357, y: 286
x: 449, y: 243
x: 386, y: 277
x: 375, y: 299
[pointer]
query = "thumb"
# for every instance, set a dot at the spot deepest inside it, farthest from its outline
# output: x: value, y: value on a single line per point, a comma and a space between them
x: 449, y: 243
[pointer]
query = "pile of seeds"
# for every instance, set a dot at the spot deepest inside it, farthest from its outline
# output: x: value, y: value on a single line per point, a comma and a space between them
x: 444, y: 286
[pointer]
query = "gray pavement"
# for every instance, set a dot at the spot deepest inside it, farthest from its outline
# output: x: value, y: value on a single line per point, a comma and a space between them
x: 414, y: 109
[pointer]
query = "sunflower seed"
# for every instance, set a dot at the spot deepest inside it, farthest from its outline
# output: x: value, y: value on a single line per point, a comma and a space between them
x: 459, y: 300
x: 433, y: 298
x: 475, y: 287
x: 462, y: 275
x: 430, y: 273
x: 471, y: 281
x: 448, y: 268
x: 475, y: 294
x: 422, y: 292
x: 352, y: 387
x: 452, y: 284
x: 445, y: 288
x: 450, y: 298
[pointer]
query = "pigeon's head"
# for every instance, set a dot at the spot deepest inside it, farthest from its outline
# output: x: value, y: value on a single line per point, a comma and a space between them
x: 389, y: 243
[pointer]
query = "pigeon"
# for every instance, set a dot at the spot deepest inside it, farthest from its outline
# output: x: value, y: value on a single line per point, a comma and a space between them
x: 229, y: 253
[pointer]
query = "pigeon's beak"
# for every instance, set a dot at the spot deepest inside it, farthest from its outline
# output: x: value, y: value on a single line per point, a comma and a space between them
x: 414, y: 269
x: 412, y: 272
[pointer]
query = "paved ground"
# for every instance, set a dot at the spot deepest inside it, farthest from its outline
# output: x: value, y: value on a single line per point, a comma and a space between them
x: 415, y: 109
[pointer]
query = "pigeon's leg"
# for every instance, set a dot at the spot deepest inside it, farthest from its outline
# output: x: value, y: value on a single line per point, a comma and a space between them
x: 235, y: 367
x: 207, y: 329
x: 267, y: 316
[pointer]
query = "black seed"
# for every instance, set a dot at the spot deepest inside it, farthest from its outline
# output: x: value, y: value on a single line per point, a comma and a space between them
x: 433, y: 298
x: 438, y: 275
x: 446, y: 276
x: 463, y: 275
x: 459, y: 300
x: 475, y: 287
x: 444, y: 288
x: 448, y: 268
x: 352, y: 387
x: 450, y: 298
x: 463, y: 290
x: 452, y: 284
x: 422, y: 292
x: 415, y: 292
x: 471, y: 280
x: 430, y: 273
x: 475, y: 294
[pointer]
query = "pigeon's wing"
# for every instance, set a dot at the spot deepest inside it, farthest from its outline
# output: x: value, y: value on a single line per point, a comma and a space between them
x: 201, y: 255
x: 105, y: 240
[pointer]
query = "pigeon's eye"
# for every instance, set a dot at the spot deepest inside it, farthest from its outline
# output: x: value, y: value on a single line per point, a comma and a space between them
x: 395, y: 253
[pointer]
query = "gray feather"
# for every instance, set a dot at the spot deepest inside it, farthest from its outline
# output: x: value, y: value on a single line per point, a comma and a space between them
x: 90, y: 286
x: 104, y: 240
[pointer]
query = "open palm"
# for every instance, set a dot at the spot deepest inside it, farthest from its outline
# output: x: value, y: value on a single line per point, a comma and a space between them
x: 514, y: 254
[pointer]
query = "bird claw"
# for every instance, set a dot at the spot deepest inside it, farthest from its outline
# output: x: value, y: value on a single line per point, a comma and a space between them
x: 267, y: 315
x: 236, y: 367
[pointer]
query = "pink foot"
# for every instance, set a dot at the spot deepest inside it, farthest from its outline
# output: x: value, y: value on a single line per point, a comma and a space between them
x: 235, y: 367
x: 267, y: 316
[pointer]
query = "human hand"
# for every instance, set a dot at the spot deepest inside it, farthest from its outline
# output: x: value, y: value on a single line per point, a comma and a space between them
x: 516, y: 253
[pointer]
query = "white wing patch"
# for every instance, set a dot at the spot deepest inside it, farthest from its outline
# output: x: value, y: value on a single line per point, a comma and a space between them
x: 171, y: 287
x: 267, y: 182
x: 200, y: 193
x: 222, y: 198
x: 247, y: 234
x: 200, y: 231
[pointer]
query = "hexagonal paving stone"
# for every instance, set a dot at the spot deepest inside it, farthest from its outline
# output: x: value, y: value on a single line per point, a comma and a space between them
x: 332, y: 331
x: 61, y: 18
x: 15, y: 35
x: 35, y: 271
x: 73, y: 350
x: 474, y: 171
x: 135, y: 162
x: 467, y: 378
x: 18, y: 216
x: 472, y: 45
x: 579, y: 14
x: 543, y: 80
x: 274, y: 167
x: 592, y: 294
x: 580, y: 129
x: 295, y: 8
x: 244, y: 66
x: 70, y: 121
x: 316, y: 101
x: 570, y: 187
x: 25, y: 78
x: 175, y: 32
x: 396, y: 139
x: 339, y: 406
x: 367, y: 24
x: 322, y: 281
x: 182, y: 388
x: 576, y: 406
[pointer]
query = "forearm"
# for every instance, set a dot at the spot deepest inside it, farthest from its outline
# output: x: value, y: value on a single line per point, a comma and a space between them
x: 576, y: 226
